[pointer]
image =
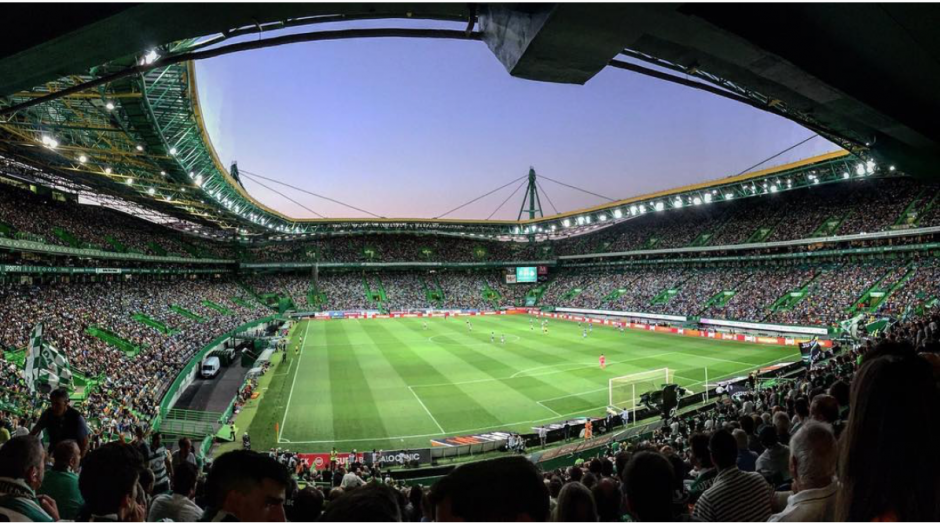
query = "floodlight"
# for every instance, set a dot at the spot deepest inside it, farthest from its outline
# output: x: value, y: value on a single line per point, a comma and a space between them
x: 697, y: 201
x: 173, y: 150
x: 107, y: 170
x: 150, y: 191
x: 617, y: 214
x: 140, y: 147
x: 129, y: 181
x: 109, y: 106
x: 82, y: 159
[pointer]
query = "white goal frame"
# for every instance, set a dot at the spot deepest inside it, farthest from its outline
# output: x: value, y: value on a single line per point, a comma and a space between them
x: 665, y: 374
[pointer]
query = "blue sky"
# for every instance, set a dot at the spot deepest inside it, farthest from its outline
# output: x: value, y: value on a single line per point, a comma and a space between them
x: 413, y: 128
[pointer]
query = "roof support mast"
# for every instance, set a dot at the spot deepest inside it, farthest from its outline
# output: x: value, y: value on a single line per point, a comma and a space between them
x: 532, y: 196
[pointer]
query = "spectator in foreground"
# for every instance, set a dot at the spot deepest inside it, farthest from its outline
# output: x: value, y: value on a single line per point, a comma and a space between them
x: 308, y: 505
x: 108, y: 483
x: 373, y: 502
x: 61, y: 483
x: 183, y: 454
x: 774, y: 462
x: 704, y: 466
x: 22, y: 461
x: 648, y: 484
x: 735, y: 495
x: 782, y: 424
x: 512, y: 488
x: 160, y: 463
x: 607, y: 499
x: 813, y: 458
x: 61, y: 422
x: 747, y: 459
x: 575, y: 503
x: 244, y: 485
x: 824, y: 408
x: 886, y: 470
x: 178, y: 505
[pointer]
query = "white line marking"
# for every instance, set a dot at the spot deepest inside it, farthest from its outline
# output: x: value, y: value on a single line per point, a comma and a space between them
x: 439, y: 427
x: 553, y: 411
x: 505, y: 425
x: 285, y: 373
x: 722, y: 360
x: 609, y: 364
x: 293, y: 381
x: 576, y: 394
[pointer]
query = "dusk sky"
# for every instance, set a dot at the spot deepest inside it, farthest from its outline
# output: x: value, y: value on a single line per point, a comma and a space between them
x: 413, y: 128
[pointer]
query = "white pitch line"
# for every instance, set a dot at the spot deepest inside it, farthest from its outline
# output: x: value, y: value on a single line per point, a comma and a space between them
x: 585, y: 365
x: 721, y: 360
x: 504, y: 425
x: 515, y: 376
x: 439, y: 427
x: 592, y: 391
x: 293, y: 381
x: 285, y: 373
x: 553, y: 411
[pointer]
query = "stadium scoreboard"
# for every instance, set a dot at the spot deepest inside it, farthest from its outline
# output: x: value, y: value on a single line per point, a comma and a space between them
x: 526, y: 274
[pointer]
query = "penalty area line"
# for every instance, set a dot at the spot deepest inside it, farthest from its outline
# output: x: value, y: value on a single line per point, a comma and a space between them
x: 439, y: 427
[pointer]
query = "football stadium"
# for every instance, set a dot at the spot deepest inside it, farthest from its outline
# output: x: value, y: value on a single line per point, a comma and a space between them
x: 730, y: 315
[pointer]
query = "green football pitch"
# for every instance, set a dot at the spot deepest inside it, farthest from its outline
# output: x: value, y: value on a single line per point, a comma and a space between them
x: 392, y: 383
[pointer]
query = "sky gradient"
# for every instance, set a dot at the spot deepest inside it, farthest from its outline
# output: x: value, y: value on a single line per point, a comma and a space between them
x: 413, y: 128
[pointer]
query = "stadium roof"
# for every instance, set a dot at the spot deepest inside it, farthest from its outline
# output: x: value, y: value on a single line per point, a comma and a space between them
x: 121, y: 115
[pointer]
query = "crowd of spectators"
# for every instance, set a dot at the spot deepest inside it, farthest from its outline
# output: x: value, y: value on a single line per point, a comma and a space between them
x: 861, y: 206
x: 131, y: 385
x: 831, y: 290
x: 33, y: 217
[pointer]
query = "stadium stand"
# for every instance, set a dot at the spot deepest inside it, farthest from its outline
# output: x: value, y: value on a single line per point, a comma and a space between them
x: 128, y: 336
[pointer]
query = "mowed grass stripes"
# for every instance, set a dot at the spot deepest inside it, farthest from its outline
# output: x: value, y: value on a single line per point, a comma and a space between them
x: 391, y: 383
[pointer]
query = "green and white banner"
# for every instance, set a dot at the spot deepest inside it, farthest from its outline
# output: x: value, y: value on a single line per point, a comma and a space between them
x: 46, y: 368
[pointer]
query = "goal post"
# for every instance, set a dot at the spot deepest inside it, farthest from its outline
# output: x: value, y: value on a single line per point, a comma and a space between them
x: 624, y: 391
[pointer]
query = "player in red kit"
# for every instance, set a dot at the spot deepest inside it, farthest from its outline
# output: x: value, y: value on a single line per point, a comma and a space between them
x: 603, y: 361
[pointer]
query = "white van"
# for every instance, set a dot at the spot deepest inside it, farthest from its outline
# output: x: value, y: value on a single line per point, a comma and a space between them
x: 210, y: 367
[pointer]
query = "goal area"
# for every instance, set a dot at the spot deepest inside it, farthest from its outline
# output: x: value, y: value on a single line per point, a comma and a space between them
x: 625, y: 391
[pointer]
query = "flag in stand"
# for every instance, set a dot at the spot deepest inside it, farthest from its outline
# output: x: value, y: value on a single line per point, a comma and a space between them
x: 46, y: 369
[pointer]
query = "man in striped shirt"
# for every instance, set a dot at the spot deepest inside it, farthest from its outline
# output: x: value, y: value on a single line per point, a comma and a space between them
x: 735, y: 495
x: 159, y: 461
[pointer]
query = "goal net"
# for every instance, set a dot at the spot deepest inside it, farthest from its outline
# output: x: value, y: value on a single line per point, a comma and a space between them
x: 625, y: 391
